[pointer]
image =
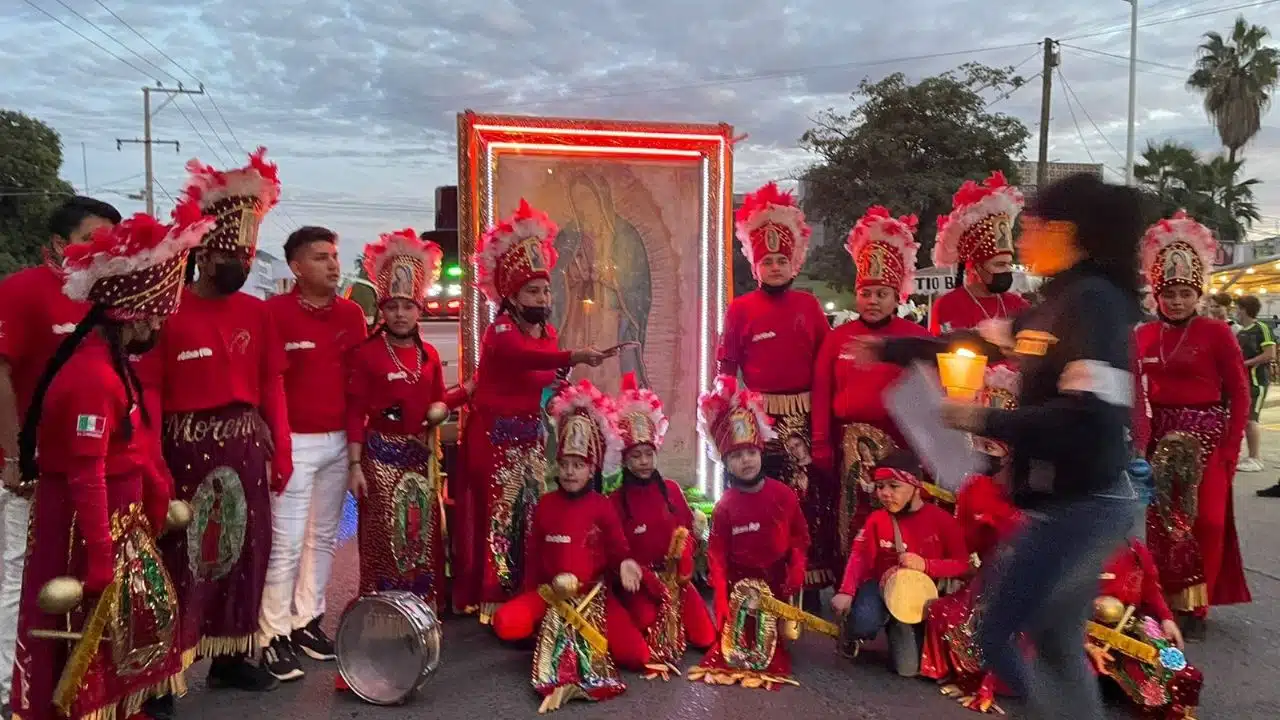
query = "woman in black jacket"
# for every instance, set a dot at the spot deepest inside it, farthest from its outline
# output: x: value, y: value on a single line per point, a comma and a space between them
x: 1069, y: 434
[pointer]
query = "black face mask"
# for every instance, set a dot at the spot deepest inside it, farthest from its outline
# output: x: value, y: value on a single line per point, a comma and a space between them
x: 229, y: 277
x: 745, y: 483
x: 142, y: 347
x: 1000, y: 282
x: 534, y: 315
x: 992, y: 465
x: 777, y: 289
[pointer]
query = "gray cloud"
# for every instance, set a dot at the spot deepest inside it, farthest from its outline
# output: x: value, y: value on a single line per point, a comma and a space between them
x: 357, y: 99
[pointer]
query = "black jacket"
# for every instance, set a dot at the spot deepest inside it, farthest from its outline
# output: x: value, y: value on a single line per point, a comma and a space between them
x: 1070, y: 431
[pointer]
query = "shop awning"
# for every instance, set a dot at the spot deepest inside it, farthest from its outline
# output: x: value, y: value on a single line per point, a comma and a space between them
x: 1256, y: 277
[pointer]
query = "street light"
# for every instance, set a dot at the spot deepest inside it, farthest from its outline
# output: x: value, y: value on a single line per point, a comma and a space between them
x: 1133, y: 89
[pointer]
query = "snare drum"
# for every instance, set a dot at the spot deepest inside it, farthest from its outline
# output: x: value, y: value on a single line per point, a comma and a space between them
x: 388, y: 646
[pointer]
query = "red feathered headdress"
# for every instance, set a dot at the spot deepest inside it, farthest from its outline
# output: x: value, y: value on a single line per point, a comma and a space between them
x: 884, y: 249
x: 980, y: 225
x: 517, y: 250
x: 135, y: 268
x: 640, y: 416
x: 586, y: 427
x: 239, y: 200
x: 769, y: 222
x: 1178, y: 251
x: 402, y: 265
x: 733, y: 417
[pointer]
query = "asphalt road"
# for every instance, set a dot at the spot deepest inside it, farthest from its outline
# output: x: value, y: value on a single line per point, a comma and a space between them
x: 480, y: 678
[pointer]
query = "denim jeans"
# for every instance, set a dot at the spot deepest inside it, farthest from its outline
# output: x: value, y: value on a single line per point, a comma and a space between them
x: 1044, y: 586
x: 869, y: 614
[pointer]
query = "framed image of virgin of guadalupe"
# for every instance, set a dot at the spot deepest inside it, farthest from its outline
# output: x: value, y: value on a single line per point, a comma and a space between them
x: 644, y: 211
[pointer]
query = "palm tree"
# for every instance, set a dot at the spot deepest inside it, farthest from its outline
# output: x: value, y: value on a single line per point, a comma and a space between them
x: 1230, y: 205
x: 1167, y: 167
x: 1236, y: 76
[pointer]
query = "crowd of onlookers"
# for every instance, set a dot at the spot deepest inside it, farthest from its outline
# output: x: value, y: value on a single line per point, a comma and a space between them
x: 1256, y: 336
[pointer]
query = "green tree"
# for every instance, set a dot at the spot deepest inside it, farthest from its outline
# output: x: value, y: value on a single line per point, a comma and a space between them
x: 30, y: 189
x: 1174, y: 178
x: 908, y: 147
x: 1236, y: 75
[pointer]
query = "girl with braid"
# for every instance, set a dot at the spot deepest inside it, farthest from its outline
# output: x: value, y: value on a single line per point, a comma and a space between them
x: 102, y: 496
x: 659, y: 526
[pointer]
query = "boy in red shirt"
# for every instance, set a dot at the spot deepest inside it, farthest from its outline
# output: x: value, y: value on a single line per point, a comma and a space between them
x: 905, y: 532
x: 758, y: 544
x: 575, y: 544
x: 317, y: 331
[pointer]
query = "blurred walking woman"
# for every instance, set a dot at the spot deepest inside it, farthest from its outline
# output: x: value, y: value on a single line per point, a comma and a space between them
x: 1069, y: 435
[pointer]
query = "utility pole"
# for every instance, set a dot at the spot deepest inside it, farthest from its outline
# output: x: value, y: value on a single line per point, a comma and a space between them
x: 1046, y: 92
x: 1133, y: 90
x: 147, y: 141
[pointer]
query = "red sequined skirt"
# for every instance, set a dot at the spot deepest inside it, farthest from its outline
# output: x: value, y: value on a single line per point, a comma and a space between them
x: 401, y: 532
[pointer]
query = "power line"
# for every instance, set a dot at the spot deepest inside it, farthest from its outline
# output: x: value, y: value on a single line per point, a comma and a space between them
x: 1125, y: 58
x: 150, y: 44
x: 1076, y: 122
x: 113, y: 39
x: 1006, y: 94
x: 1089, y: 117
x: 1164, y: 21
x: 95, y: 43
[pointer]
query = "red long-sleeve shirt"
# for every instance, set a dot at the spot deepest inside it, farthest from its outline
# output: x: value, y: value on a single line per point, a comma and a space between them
x: 845, y: 391
x: 760, y: 535
x: 958, y: 310
x: 773, y: 340
x: 82, y: 440
x: 649, y: 521
x: 514, y: 368
x: 385, y: 398
x: 1197, y: 364
x: 1131, y: 577
x: 929, y: 532
x: 214, y: 352
x: 35, y: 317
x: 316, y: 342
x: 580, y: 535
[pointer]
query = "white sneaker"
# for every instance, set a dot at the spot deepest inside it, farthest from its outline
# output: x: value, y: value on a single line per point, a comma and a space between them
x: 1249, y: 465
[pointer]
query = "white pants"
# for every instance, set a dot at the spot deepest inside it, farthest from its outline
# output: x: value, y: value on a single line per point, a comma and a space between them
x: 14, y: 515
x: 304, y: 532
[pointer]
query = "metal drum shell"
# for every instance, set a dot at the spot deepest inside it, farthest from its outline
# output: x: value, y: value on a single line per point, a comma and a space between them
x: 415, y: 613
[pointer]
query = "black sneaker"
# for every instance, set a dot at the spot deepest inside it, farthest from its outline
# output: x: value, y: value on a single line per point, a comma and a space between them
x: 1271, y: 492
x: 312, y: 641
x: 281, y: 659
x: 237, y: 672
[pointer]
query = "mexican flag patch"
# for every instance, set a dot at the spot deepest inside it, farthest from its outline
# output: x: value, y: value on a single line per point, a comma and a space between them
x: 91, y: 426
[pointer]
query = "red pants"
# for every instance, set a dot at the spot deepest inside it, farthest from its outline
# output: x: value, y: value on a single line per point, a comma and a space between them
x: 698, y: 628
x: 518, y: 619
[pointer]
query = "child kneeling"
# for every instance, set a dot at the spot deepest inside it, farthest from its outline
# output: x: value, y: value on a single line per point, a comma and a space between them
x: 905, y: 533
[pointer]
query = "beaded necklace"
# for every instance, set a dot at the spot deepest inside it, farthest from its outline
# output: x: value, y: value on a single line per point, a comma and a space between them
x: 411, y: 376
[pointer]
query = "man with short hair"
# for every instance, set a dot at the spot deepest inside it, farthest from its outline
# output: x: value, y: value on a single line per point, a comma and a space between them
x: 35, y: 316
x: 317, y: 330
x: 1258, y: 345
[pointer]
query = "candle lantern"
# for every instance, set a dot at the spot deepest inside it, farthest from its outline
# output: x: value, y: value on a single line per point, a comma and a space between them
x: 962, y: 373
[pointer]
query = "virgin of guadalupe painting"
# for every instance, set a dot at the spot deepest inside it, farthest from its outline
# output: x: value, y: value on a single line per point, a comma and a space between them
x: 1178, y: 266
x: 601, y: 283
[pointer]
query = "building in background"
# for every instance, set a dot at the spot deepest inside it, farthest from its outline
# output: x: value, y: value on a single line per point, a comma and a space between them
x: 268, y: 275
x: 1027, y: 172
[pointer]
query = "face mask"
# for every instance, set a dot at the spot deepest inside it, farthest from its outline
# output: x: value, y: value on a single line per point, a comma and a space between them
x: 777, y: 289
x: 535, y: 315
x: 229, y: 277
x: 1000, y: 282
x: 142, y: 347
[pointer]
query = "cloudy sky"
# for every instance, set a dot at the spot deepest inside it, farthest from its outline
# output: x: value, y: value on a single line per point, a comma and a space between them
x: 356, y: 99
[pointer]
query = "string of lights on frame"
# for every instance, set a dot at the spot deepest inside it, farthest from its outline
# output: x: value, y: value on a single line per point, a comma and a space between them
x: 644, y: 211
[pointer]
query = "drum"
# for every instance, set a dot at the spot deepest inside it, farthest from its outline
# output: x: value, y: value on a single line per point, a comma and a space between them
x: 906, y: 593
x: 388, y: 647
